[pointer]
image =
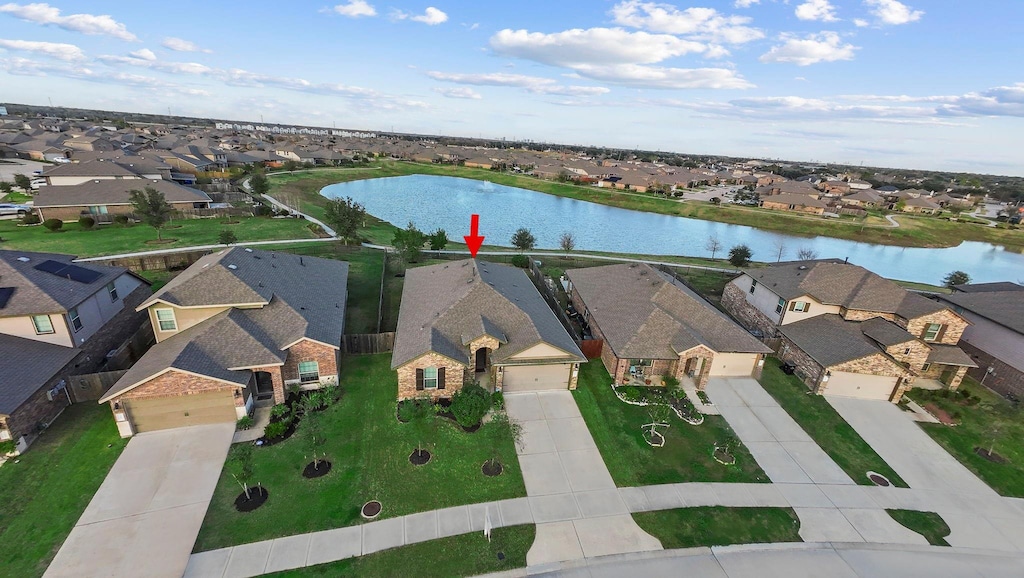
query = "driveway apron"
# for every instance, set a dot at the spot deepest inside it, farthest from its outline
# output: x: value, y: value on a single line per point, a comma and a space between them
x: 144, y: 519
x: 575, y: 504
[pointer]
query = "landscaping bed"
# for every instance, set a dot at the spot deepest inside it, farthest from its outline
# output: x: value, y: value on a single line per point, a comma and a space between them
x: 686, y: 455
x: 985, y: 422
x: 369, y: 451
x: 718, y: 526
x: 928, y: 524
x: 826, y: 427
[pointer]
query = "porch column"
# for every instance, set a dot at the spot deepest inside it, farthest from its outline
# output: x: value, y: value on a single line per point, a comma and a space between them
x: 954, y: 383
x: 758, y: 367
x: 703, y: 373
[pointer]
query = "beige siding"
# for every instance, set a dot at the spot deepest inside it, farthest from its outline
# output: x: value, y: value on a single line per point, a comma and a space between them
x: 816, y: 309
x: 22, y: 327
x: 185, y: 318
x: 763, y: 299
x: 540, y: 351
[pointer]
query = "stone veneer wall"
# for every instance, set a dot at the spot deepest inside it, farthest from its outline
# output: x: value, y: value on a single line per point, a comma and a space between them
x: 735, y: 302
x: 955, y: 325
x: 917, y: 357
x: 861, y: 315
x: 455, y: 376
x: 808, y: 370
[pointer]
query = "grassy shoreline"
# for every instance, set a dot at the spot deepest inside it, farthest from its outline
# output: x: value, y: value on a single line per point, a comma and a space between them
x: 913, y: 231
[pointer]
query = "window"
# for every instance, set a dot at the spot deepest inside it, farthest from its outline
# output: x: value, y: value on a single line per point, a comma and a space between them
x: 906, y: 351
x: 800, y: 306
x: 165, y: 319
x: 925, y: 366
x: 429, y: 378
x: 76, y: 321
x: 309, y: 371
x: 98, y: 210
x: 931, y: 333
x: 641, y: 362
x: 781, y: 306
x: 753, y: 285
x: 112, y: 291
x: 42, y: 324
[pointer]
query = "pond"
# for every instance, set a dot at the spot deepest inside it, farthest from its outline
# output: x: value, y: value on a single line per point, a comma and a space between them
x: 447, y: 202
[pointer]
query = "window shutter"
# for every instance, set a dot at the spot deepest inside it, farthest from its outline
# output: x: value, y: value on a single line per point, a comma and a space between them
x: 807, y: 307
x: 942, y: 331
x: 792, y: 304
x: 419, y: 380
x: 440, y: 378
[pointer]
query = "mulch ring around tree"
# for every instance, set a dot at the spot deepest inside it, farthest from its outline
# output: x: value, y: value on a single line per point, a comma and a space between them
x: 257, y: 496
x: 161, y: 241
x: 292, y: 426
x: 723, y: 457
x: 990, y: 456
x: 492, y: 468
x: 316, y: 469
x: 418, y: 457
x: 371, y: 509
x: 234, y: 222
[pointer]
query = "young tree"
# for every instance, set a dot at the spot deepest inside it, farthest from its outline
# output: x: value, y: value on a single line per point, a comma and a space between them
x: 523, y: 239
x: 345, y: 216
x: 713, y: 245
x: 151, y: 208
x: 258, y: 183
x: 806, y: 254
x: 227, y: 237
x: 500, y: 429
x: 239, y: 465
x: 739, y: 256
x: 314, y: 436
x: 409, y: 242
x: 23, y: 182
x: 5, y: 188
x: 421, y: 416
x: 956, y: 278
x: 438, y: 240
x: 567, y: 242
x: 780, y: 248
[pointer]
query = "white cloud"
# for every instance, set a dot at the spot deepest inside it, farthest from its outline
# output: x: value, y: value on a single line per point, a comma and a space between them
x: 595, y: 46
x: 860, y: 22
x: 699, y: 23
x: 534, y: 84
x: 665, y: 77
x: 51, y: 49
x: 45, y: 14
x: 25, y: 67
x: 459, y: 92
x: 893, y: 12
x: 144, y: 54
x: 811, y: 49
x: 745, y: 3
x: 181, y: 45
x: 355, y: 9
x: 431, y: 16
x: 820, y: 10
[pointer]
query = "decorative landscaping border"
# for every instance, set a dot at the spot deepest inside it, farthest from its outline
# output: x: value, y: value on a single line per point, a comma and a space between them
x: 690, y: 420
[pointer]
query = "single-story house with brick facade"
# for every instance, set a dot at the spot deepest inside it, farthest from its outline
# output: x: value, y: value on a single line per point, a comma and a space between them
x: 100, y: 197
x: 792, y: 202
x: 236, y: 327
x: 848, y: 331
x: 57, y: 319
x: 652, y: 325
x: 472, y: 321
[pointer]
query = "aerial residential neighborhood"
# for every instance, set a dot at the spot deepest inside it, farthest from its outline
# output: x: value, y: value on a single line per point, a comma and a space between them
x: 644, y: 288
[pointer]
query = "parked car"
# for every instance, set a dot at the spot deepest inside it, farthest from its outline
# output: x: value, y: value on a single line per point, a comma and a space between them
x: 11, y: 209
x: 36, y: 183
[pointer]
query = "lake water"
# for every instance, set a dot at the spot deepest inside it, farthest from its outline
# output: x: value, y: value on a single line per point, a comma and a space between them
x: 447, y: 202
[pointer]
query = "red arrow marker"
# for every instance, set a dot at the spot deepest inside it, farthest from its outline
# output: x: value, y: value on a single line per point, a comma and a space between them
x: 473, y: 241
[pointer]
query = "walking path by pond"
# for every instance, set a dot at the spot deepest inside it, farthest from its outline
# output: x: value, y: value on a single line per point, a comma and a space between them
x: 432, y: 202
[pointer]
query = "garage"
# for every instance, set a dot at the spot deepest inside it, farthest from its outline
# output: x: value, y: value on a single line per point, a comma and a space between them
x: 157, y: 413
x: 733, y: 364
x: 536, y: 377
x: 861, y: 386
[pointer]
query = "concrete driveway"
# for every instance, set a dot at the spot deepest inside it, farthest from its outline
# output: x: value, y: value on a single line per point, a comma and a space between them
x: 144, y: 519
x: 893, y: 434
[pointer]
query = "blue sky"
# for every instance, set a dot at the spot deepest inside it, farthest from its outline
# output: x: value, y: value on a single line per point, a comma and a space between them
x: 931, y: 84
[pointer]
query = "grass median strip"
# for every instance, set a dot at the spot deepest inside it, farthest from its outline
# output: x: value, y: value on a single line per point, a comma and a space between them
x: 718, y: 526
x: 928, y: 524
x: 826, y: 427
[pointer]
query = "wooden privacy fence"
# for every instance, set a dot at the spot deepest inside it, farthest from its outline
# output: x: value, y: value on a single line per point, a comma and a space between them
x: 91, y: 386
x: 366, y: 343
x: 591, y: 348
x: 168, y: 262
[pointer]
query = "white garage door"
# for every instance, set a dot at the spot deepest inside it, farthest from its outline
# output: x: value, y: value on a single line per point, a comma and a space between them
x: 536, y: 377
x: 861, y: 386
x: 725, y: 364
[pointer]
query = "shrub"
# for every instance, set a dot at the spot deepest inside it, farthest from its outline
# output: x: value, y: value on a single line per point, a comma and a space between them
x: 30, y: 219
x: 280, y: 412
x: 521, y: 261
x: 262, y: 211
x: 498, y: 400
x: 739, y: 256
x: 53, y: 224
x: 7, y: 447
x: 411, y: 409
x: 121, y: 219
x: 470, y: 404
x: 86, y: 222
x: 245, y: 422
x: 670, y: 381
x: 332, y: 393
x: 275, y: 429
x: 227, y: 237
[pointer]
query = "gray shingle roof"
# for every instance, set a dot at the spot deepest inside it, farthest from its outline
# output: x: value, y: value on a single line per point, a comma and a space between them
x: 885, y: 332
x: 114, y: 192
x: 833, y: 282
x: 27, y: 365
x: 989, y: 287
x: 645, y: 314
x: 38, y: 292
x: 829, y: 339
x: 1003, y: 307
x: 949, y: 355
x: 97, y: 168
x: 445, y: 305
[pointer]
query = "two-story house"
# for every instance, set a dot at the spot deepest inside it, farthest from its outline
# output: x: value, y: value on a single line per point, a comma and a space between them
x: 848, y: 331
x: 237, y: 326
x: 57, y: 319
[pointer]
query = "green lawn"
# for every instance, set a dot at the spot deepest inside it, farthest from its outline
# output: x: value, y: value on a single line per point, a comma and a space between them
x: 116, y: 239
x: 928, y: 524
x: 686, y: 456
x: 46, y: 491
x: 465, y: 555
x: 991, y: 423
x: 717, y: 526
x: 825, y: 426
x: 369, y: 449
x: 158, y: 277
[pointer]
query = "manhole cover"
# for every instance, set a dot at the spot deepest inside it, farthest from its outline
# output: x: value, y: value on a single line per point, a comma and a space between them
x: 879, y: 479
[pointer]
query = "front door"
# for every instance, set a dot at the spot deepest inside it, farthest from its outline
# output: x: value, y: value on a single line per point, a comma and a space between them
x: 481, y: 359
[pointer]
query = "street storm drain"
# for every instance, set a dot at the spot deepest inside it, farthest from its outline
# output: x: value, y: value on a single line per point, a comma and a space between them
x: 879, y: 479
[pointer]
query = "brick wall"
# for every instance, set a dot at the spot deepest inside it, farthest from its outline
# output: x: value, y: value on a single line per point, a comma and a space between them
x: 174, y: 383
x: 862, y: 315
x: 705, y: 357
x: 955, y: 325
x: 456, y: 375
x: 735, y: 302
x: 917, y: 357
x: 1004, y: 378
x: 808, y: 370
x: 798, y: 209
x: 616, y: 367
x: 479, y: 343
x: 73, y: 213
x: 305, y: 350
x: 276, y: 380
